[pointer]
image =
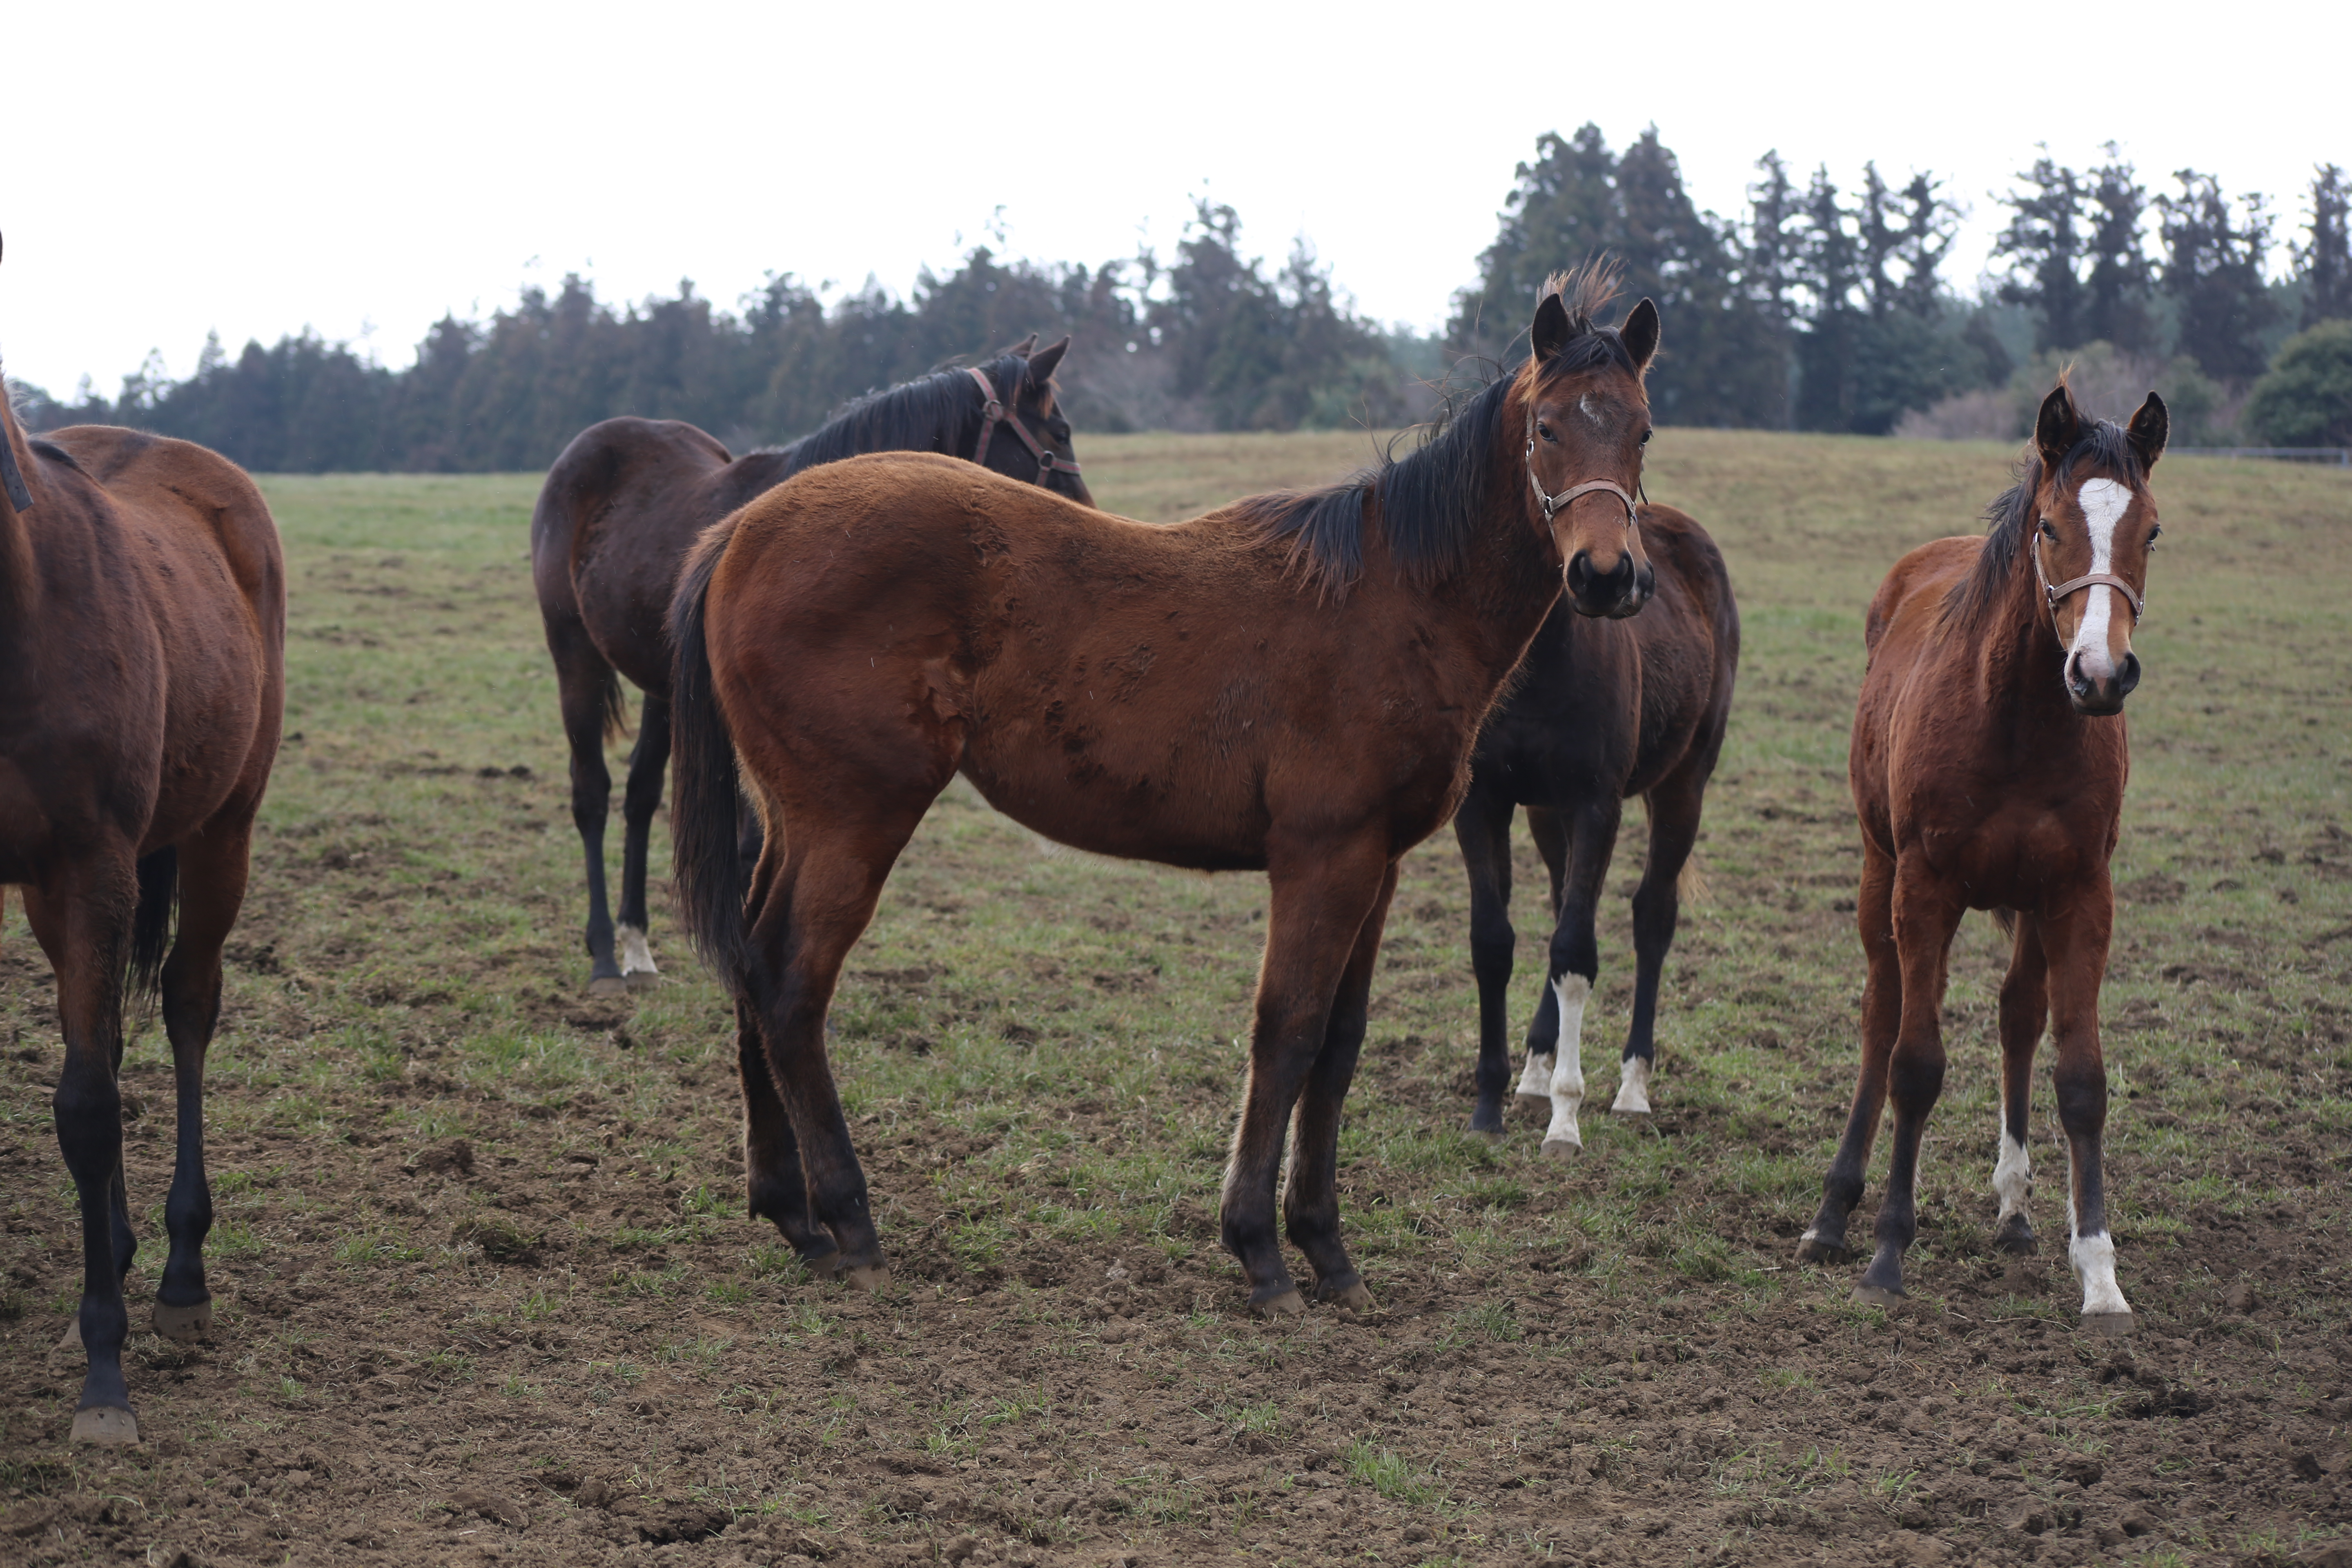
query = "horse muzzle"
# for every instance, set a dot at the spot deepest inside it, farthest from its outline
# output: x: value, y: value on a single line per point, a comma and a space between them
x: 2097, y: 695
x: 1612, y: 595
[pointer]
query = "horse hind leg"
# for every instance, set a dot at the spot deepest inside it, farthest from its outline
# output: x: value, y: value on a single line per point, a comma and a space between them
x: 776, y: 1188
x: 2024, y: 1011
x: 1673, y: 809
x: 1482, y: 829
x: 1882, y: 1016
x: 648, y: 766
x: 2076, y: 945
x: 589, y: 693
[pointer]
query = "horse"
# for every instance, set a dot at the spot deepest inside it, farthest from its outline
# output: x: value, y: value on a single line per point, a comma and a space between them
x: 1290, y: 684
x: 142, y: 637
x: 1600, y: 712
x: 1988, y: 762
x: 611, y: 529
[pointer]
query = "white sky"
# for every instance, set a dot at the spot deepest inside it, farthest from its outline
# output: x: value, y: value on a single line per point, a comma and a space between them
x: 256, y: 168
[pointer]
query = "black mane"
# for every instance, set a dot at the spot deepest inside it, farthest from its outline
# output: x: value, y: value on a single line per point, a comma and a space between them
x: 936, y: 413
x: 2011, y: 518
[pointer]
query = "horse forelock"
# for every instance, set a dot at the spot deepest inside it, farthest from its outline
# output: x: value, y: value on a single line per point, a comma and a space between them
x: 2104, y: 446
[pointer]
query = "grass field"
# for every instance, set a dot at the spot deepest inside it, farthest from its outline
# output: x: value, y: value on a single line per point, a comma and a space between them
x: 486, y: 1292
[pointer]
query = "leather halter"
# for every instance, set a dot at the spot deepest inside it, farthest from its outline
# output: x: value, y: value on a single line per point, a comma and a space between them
x: 993, y: 410
x: 1552, y: 503
x: 2051, y: 593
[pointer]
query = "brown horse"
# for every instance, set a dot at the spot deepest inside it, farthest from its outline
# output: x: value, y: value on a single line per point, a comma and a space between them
x: 1600, y: 712
x: 1988, y: 763
x: 143, y: 636
x: 612, y: 528
x: 1291, y: 684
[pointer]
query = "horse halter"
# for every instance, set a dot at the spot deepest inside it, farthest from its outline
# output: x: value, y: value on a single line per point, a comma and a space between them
x: 1552, y: 503
x: 2052, y: 593
x: 992, y: 410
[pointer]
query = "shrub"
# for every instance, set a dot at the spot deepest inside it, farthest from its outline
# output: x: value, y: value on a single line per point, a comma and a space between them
x: 2306, y: 398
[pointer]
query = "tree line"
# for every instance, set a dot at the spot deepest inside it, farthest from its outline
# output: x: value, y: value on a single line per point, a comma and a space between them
x: 1820, y: 308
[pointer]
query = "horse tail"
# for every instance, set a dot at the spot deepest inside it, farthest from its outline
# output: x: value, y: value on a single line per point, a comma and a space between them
x: 705, y: 854
x: 2007, y: 921
x: 616, y: 706
x: 150, y: 923
x: 1690, y: 885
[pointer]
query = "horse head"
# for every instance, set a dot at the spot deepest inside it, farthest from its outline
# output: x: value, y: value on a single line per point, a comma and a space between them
x: 1588, y: 419
x: 1008, y: 444
x: 2093, y: 525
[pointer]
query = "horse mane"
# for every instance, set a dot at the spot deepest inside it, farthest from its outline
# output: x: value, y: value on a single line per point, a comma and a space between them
x: 920, y: 416
x: 2103, y: 443
x: 1433, y: 498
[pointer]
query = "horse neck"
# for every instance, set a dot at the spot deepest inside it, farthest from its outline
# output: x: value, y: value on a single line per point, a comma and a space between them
x: 2017, y: 654
x: 1508, y: 581
x: 18, y: 578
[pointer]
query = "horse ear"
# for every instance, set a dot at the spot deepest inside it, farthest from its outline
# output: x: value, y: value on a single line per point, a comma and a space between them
x: 1641, y: 333
x: 1042, y: 363
x: 2057, y: 427
x: 1548, y: 335
x: 2148, y: 430
x: 1023, y: 346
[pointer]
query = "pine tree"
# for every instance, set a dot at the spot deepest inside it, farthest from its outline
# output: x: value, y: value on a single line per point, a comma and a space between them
x: 2325, y: 264
x: 2213, y: 272
x: 2043, y: 239
x: 2114, y: 305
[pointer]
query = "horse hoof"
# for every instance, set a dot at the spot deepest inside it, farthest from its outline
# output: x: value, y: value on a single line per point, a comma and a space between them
x: 606, y: 986
x: 824, y: 1265
x: 108, y: 1425
x: 1562, y: 1149
x: 71, y: 1339
x: 184, y: 1324
x: 2112, y: 1325
x: 1814, y: 1249
x: 2017, y: 1240
x: 1289, y: 1304
x: 873, y: 1279
x: 641, y: 980
x: 1352, y: 1296
x: 1878, y: 1296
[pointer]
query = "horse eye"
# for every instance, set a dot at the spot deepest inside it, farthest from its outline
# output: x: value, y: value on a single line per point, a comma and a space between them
x: 1645, y: 437
x: 2048, y: 531
x: 1543, y: 429
x: 2154, y: 534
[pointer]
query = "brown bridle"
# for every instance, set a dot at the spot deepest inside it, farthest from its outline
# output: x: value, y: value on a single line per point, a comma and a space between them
x: 2051, y: 593
x: 993, y: 410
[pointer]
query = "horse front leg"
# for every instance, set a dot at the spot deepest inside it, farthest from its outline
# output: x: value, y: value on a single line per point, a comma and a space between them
x: 1673, y: 809
x: 1881, y: 1017
x: 1311, y: 1201
x: 1319, y: 908
x: 2024, y: 1011
x: 1575, y: 964
x: 1482, y: 829
x: 2076, y: 941
x: 1926, y: 916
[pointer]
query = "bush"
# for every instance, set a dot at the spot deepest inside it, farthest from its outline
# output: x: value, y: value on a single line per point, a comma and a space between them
x: 2306, y: 398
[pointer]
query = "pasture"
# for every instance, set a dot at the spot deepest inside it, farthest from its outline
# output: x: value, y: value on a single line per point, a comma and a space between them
x: 486, y: 1292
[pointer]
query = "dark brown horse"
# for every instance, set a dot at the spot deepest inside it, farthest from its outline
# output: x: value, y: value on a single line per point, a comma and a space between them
x: 1988, y: 763
x: 1290, y: 684
x: 143, y: 635
x: 611, y: 529
x: 1600, y: 712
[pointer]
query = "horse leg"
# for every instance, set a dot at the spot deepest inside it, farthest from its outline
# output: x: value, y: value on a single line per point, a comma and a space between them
x: 1319, y: 906
x: 2024, y: 1010
x: 2076, y: 941
x: 1926, y: 916
x: 1576, y: 963
x: 1882, y: 1016
x: 648, y: 766
x: 777, y: 1190
x: 1310, y: 1204
x: 818, y: 899
x: 83, y: 925
x: 1482, y: 829
x: 212, y: 869
x: 1673, y: 808
x: 584, y: 684
x: 1543, y: 1029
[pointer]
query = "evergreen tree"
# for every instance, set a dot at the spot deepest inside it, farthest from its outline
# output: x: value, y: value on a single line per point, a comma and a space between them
x: 1831, y: 274
x: 2043, y: 240
x: 2325, y: 263
x: 2116, y: 299
x: 2213, y: 272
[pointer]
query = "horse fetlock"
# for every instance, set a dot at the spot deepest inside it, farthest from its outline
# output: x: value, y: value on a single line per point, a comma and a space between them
x: 1824, y: 1240
x: 1535, y: 1082
x: 637, y: 967
x: 1633, y: 1088
x: 1882, y: 1282
x: 2093, y: 1258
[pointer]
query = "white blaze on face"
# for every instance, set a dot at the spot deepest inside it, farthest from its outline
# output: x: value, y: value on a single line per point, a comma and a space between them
x: 2093, y: 1261
x: 1633, y: 1088
x: 1568, y: 1077
x: 2104, y: 503
x: 637, y: 958
x: 2012, y: 1175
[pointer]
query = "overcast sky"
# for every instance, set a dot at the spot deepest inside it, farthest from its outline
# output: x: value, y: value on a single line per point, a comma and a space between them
x: 254, y: 169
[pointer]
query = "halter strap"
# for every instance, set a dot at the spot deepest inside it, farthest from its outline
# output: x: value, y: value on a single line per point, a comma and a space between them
x: 2052, y: 593
x: 1553, y: 503
x: 994, y: 410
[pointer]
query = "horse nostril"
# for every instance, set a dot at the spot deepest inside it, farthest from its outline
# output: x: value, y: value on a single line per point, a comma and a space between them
x: 1580, y: 575
x: 1623, y: 579
x: 2130, y: 678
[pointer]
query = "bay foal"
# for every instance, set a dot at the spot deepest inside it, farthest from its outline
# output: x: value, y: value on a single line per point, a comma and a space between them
x: 1602, y: 710
x: 1289, y: 684
x: 1988, y: 763
x: 611, y: 529
x: 143, y: 636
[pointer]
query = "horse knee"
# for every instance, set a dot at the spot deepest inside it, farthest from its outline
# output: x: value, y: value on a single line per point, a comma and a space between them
x: 1493, y: 947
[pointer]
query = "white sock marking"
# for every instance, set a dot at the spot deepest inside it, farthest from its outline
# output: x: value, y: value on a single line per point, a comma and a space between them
x: 2012, y: 1175
x: 2093, y: 1261
x: 1633, y: 1088
x: 637, y: 958
x: 1536, y: 1082
x: 2104, y: 503
x: 1568, y: 1076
